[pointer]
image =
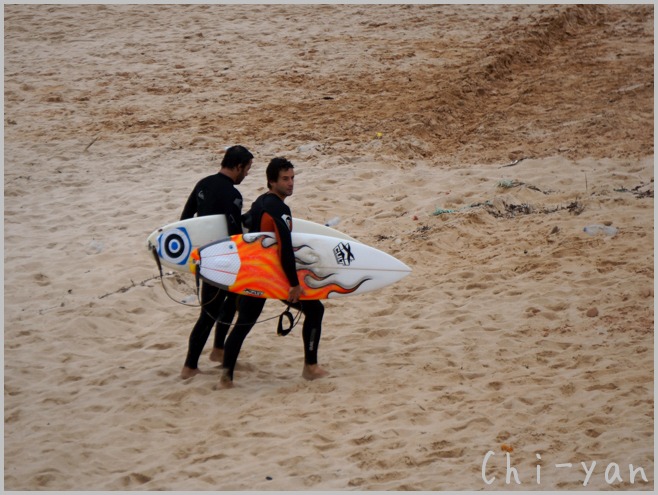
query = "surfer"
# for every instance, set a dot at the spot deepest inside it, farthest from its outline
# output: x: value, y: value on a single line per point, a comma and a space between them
x: 216, y: 195
x: 269, y: 213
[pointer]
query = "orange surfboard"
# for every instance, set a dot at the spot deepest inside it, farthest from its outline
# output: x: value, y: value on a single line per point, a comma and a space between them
x: 327, y: 267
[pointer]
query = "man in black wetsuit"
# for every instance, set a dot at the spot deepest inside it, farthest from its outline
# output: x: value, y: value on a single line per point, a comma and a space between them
x: 269, y: 213
x: 216, y: 195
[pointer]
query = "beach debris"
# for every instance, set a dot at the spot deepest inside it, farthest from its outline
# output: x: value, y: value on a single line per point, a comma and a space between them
x: 515, y: 162
x: 575, y: 207
x: 441, y: 211
x: 133, y: 284
x: 637, y: 190
x: 92, y: 142
x: 332, y: 221
x: 512, y: 210
x: 597, y: 229
x: 421, y: 232
x: 310, y: 147
x: 524, y: 209
x: 95, y: 247
x: 503, y: 209
x: 507, y: 448
x: 592, y: 312
x: 509, y: 184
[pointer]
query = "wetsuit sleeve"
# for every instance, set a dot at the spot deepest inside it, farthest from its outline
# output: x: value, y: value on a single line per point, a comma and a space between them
x: 234, y: 214
x: 190, y: 207
x: 284, y: 239
x: 278, y: 213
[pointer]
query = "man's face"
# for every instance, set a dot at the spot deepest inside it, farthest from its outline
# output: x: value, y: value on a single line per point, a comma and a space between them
x: 285, y: 184
x: 243, y: 172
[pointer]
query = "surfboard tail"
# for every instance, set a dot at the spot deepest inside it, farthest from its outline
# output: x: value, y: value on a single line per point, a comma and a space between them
x: 217, y: 263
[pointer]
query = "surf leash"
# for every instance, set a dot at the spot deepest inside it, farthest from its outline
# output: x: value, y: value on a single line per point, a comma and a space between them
x: 157, y: 261
x: 292, y: 321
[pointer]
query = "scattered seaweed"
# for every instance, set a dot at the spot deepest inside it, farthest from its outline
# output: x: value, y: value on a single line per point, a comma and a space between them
x: 638, y: 191
x: 442, y: 211
x: 510, y: 184
x: 509, y: 210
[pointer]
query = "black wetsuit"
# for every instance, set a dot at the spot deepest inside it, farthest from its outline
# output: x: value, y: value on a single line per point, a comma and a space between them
x: 213, y: 195
x: 270, y: 214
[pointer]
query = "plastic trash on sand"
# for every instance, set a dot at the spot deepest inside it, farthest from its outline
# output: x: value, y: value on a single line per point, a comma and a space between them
x: 600, y: 229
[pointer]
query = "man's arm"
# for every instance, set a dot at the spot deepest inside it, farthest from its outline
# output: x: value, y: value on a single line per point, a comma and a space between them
x: 284, y: 238
x: 277, y: 213
x: 234, y: 214
x: 190, y: 207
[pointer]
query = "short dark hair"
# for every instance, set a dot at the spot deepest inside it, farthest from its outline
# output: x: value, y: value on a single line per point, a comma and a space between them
x: 235, y: 156
x: 274, y: 167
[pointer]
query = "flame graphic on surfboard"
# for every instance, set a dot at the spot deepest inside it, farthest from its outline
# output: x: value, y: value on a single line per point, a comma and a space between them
x: 327, y: 267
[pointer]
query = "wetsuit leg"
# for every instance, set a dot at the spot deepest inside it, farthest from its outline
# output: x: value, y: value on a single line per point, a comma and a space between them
x: 226, y: 315
x: 249, y: 311
x: 212, y: 299
x: 312, y: 328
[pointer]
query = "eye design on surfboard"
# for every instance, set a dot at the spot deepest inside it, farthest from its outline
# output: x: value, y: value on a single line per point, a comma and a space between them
x: 174, y: 246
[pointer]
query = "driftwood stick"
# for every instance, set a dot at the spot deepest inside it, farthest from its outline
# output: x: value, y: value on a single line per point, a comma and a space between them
x: 92, y: 142
x: 515, y: 162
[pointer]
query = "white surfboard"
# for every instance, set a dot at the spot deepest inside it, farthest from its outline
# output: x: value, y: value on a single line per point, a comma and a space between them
x: 327, y: 267
x: 175, y: 241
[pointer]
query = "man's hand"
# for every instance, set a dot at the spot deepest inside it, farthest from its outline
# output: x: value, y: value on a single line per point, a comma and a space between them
x: 295, y: 293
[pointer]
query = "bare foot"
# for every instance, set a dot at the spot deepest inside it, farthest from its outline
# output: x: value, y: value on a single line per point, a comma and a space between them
x: 217, y: 355
x: 313, y: 372
x: 189, y: 372
x: 225, y: 381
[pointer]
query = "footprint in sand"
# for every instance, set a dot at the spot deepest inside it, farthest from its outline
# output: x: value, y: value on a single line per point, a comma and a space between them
x: 42, y: 279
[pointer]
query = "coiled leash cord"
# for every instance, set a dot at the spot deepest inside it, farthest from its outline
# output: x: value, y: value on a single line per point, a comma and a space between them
x: 281, y: 330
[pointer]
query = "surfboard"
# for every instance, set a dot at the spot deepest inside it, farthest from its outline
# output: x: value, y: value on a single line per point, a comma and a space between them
x: 175, y: 241
x: 327, y: 267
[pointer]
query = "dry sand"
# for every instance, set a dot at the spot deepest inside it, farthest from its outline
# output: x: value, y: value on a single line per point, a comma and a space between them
x: 504, y: 130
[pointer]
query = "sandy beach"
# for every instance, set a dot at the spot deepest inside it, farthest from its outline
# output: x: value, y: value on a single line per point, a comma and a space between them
x: 474, y: 143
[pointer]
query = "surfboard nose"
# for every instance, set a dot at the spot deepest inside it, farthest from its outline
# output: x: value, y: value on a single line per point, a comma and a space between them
x: 405, y: 268
x: 394, y: 264
x: 401, y: 269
